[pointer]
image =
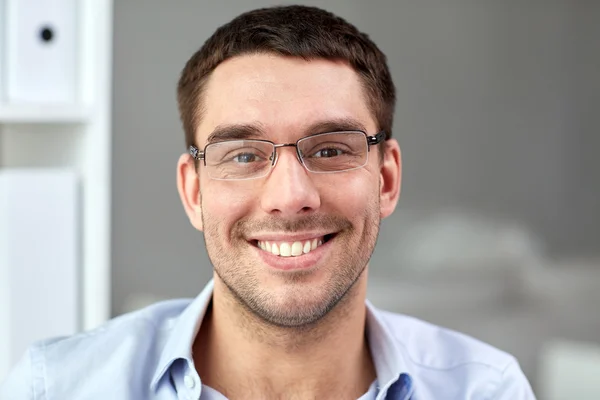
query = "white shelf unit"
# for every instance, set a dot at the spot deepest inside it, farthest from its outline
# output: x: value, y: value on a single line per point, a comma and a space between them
x: 76, y: 137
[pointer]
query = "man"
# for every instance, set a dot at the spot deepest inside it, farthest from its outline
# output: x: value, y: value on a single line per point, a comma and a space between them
x: 287, y: 113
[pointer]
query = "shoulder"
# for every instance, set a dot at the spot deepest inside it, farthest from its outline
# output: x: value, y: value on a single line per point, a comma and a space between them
x: 433, y: 346
x: 117, y: 348
x: 129, y: 332
x: 461, y: 364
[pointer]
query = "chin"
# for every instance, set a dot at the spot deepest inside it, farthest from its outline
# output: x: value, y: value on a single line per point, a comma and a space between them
x: 295, y: 305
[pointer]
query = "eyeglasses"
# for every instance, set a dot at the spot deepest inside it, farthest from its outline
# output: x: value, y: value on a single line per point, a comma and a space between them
x: 319, y: 153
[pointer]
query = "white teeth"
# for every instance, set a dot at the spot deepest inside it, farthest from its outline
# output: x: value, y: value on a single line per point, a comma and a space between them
x: 285, y: 250
x: 288, y: 249
x: 296, y: 248
x: 306, y: 247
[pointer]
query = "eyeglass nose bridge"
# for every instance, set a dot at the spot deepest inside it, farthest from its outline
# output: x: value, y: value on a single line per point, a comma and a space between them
x: 275, y: 154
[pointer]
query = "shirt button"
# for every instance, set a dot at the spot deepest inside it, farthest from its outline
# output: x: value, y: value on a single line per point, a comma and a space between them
x: 189, y: 382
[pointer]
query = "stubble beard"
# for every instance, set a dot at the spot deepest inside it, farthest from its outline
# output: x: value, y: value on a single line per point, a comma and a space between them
x: 301, y: 306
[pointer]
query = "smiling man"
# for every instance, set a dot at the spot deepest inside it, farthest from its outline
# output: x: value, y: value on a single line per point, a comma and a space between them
x: 287, y: 113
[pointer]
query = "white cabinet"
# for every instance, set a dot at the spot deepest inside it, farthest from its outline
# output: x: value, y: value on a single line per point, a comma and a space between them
x: 49, y: 137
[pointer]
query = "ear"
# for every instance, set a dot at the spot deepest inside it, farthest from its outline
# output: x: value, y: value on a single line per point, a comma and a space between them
x: 188, y: 185
x: 391, y: 177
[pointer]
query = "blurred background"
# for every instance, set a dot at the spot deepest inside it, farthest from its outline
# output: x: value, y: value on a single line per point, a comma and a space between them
x: 497, y: 232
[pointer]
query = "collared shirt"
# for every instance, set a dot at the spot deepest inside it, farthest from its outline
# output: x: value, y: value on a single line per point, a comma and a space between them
x: 147, y: 355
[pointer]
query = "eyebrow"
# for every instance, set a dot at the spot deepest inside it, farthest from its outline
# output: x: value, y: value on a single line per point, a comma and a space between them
x: 235, y: 132
x: 335, y: 125
x: 256, y: 131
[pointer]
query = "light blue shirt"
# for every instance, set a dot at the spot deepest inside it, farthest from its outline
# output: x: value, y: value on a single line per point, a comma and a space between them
x: 147, y: 355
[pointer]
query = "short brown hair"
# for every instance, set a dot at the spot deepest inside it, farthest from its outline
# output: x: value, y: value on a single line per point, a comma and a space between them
x: 297, y: 31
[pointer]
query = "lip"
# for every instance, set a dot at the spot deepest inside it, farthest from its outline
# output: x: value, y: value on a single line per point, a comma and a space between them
x: 302, y: 262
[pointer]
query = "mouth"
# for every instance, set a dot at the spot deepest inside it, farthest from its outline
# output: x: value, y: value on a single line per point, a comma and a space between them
x: 296, y: 248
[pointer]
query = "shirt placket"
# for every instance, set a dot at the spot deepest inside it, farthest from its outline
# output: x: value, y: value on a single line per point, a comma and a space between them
x: 186, y: 380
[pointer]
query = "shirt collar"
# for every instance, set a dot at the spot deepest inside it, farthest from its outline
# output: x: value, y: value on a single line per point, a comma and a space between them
x: 390, y: 365
x: 181, y: 336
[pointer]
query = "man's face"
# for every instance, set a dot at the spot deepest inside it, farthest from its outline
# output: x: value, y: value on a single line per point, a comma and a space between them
x: 285, y: 99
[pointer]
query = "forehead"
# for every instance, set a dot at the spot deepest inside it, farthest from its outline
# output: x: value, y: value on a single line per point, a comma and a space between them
x: 282, y: 95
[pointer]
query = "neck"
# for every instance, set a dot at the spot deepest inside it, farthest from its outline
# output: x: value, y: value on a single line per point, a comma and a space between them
x: 238, y: 354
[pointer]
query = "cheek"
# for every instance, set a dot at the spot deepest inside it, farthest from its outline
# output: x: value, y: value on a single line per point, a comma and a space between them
x: 223, y: 204
x: 351, y: 194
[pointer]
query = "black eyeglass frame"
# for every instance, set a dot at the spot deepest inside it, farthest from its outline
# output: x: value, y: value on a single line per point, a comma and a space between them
x: 371, y: 141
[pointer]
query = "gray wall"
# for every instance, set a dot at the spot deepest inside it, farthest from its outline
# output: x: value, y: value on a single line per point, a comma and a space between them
x: 497, y: 113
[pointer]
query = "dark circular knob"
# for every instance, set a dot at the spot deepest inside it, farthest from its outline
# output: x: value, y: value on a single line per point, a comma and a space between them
x: 47, y: 34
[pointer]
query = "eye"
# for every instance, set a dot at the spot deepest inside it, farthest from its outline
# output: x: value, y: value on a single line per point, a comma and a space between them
x: 246, y: 158
x: 327, y: 153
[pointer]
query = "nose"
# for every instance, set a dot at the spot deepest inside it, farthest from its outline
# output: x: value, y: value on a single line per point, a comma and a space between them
x: 289, y: 189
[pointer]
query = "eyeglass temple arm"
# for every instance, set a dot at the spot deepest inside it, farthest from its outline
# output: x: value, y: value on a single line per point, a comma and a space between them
x: 378, y: 138
x: 197, y: 154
